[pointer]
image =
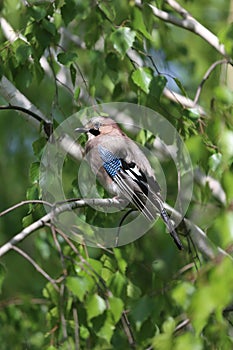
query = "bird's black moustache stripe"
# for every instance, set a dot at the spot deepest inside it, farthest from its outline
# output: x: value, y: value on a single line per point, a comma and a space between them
x: 94, y: 132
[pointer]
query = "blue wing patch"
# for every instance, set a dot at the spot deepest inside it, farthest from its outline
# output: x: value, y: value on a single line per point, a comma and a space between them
x: 111, y: 163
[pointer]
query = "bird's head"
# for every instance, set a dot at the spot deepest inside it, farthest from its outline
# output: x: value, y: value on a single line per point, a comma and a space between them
x: 100, y: 126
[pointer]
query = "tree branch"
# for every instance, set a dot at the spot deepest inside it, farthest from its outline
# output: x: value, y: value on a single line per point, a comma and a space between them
x: 34, y: 201
x: 48, y: 217
x: 206, y: 76
x: 205, y: 246
x: 183, y: 101
x: 17, y: 101
x: 198, y: 236
x: 190, y: 23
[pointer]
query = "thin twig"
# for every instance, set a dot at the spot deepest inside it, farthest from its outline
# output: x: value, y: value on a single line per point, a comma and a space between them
x: 59, y: 249
x: 101, y: 283
x: 128, y: 331
x: 206, y: 76
x: 22, y: 109
x: 19, y: 301
x: 182, y: 325
x: 62, y: 316
x: 48, y: 126
x: 76, y: 329
x: 36, y: 266
x: 23, y: 203
x: 54, y: 76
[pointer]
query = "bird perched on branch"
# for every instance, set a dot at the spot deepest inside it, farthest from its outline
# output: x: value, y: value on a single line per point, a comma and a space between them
x: 123, y: 169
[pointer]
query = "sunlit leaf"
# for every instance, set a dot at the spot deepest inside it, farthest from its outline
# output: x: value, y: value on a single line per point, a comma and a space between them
x: 142, y: 78
x: 215, y: 161
x: 106, y: 331
x: 34, y: 172
x: 79, y: 286
x: 108, y: 10
x: 116, y: 308
x: 122, y: 39
x: 95, y: 306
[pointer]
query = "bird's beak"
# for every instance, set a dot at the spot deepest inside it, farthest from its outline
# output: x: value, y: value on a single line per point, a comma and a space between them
x: 81, y: 130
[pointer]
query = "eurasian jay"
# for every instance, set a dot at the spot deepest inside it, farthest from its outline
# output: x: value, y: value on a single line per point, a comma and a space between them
x: 123, y: 169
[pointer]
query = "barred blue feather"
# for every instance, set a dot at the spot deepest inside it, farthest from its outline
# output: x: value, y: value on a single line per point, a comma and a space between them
x: 111, y: 163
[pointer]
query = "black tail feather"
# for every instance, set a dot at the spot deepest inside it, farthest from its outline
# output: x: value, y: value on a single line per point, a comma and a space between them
x: 171, y: 229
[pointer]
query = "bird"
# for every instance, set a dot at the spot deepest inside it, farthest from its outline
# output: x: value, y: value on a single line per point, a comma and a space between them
x: 124, y: 170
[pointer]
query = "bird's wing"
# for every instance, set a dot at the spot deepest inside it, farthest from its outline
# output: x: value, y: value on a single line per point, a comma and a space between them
x: 137, y: 187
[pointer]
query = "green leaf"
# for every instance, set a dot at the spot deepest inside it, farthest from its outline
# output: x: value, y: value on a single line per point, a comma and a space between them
x: 68, y: 11
x: 79, y: 286
x: 96, y: 265
x: 141, y: 311
x: 73, y: 73
x: 215, y: 161
x: 67, y: 58
x: 122, y: 263
x: 169, y: 325
x: 138, y: 23
x: 95, y: 306
x: 133, y: 291
x: 84, y: 332
x: 180, y: 86
x: 38, y: 146
x: 106, y: 332
x: 227, y: 184
x: 50, y: 293
x: 32, y: 192
x: 77, y: 93
x: 142, y: 78
x: 157, y: 86
x: 182, y: 294
x: 24, y: 76
x: 192, y: 113
x: 37, y: 12
x: 116, y: 308
x: 224, y: 94
x: 27, y: 220
x: 118, y: 283
x: 122, y: 39
x: 214, y: 292
x: 2, y: 276
x: 22, y: 53
x: 34, y: 172
x: 49, y: 27
x: 108, y: 10
x: 226, y: 36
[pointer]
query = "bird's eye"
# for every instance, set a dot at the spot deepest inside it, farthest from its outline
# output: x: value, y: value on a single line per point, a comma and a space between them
x: 97, y: 125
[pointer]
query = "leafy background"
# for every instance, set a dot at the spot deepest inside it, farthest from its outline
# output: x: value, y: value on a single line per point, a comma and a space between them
x: 66, y: 55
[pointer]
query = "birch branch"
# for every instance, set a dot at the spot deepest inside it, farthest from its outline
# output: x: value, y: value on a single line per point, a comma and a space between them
x: 190, y: 23
x: 19, y: 102
x: 57, y: 211
x: 205, y: 246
